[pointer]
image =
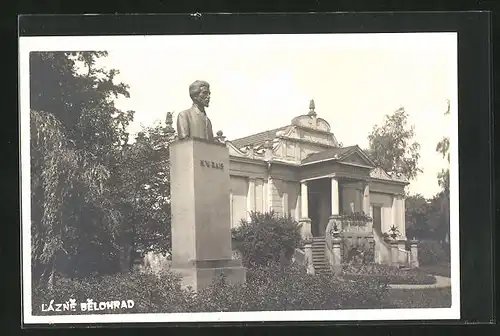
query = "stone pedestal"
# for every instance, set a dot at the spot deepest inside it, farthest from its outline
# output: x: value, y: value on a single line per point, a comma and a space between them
x: 336, y: 254
x: 305, y: 232
x: 201, y: 228
x: 309, y: 257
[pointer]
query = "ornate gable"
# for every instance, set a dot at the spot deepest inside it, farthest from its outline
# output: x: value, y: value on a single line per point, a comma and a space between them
x: 233, y: 151
x: 380, y: 174
x: 356, y: 156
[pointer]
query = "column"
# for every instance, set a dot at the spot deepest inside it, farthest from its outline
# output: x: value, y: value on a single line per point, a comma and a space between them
x: 335, y: 196
x: 304, y: 213
x: 250, y: 196
x: 231, y: 208
x: 366, y: 199
x: 265, y: 195
x: 402, y: 217
x: 270, y: 188
x: 304, y: 206
x: 399, y: 214
x: 395, y: 215
x: 306, y: 227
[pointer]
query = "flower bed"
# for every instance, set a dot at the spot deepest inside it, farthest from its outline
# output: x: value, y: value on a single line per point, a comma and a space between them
x: 387, y: 274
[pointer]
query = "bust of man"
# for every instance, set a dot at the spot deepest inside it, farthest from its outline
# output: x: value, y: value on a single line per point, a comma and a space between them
x: 194, y: 122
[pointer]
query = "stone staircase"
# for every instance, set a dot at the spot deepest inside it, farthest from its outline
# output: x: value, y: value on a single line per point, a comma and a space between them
x: 318, y: 255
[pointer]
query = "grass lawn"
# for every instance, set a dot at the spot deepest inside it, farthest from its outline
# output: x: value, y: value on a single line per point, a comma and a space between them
x: 419, y: 298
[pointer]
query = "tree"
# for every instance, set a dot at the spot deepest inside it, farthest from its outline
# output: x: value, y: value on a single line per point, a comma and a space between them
x: 76, y: 136
x: 392, y: 145
x: 443, y: 197
x: 417, y: 212
x: 144, y: 178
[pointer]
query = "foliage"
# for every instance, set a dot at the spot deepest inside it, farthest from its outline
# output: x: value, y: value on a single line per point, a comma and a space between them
x: 358, y: 251
x: 389, y: 274
x: 443, y: 270
x: 267, y: 288
x: 443, y: 148
x: 432, y: 253
x: 392, y: 145
x: 69, y: 202
x: 80, y: 94
x: 144, y: 193
x: 76, y: 134
x: 360, y: 217
x: 266, y: 238
x: 417, y: 209
x: 426, y: 218
x: 150, y: 293
x: 95, y: 197
x: 421, y: 298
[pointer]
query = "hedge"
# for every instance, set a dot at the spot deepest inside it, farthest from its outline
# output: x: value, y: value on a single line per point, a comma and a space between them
x: 266, y: 289
x: 389, y: 274
x: 433, y: 253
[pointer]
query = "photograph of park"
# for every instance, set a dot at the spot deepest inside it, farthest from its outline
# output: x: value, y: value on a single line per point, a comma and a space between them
x: 239, y: 173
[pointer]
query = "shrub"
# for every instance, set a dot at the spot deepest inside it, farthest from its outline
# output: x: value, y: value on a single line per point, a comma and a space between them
x: 266, y: 238
x: 150, y: 293
x: 290, y: 288
x: 267, y: 288
x: 389, y: 274
x: 421, y: 298
x: 443, y: 270
x: 432, y: 253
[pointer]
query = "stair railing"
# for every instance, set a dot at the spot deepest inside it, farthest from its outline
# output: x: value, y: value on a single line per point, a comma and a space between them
x: 407, y: 256
x: 381, y: 244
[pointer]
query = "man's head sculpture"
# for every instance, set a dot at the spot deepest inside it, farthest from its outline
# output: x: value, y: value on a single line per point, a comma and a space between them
x: 199, y: 91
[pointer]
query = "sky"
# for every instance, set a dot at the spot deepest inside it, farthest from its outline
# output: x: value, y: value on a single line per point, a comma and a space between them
x: 260, y: 82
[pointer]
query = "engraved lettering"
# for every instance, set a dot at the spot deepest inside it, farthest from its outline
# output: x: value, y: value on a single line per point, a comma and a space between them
x: 212, y: 164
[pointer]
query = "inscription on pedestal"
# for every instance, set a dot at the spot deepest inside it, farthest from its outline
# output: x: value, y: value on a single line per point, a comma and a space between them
x: 212, y: 164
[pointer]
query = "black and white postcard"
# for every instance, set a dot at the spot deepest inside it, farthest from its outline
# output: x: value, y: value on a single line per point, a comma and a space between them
x: 213, y: 178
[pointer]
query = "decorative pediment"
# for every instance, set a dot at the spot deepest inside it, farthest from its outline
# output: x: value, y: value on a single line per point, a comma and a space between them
x: 233, y: 151
x: 381, y: 174
x: 356, y: 156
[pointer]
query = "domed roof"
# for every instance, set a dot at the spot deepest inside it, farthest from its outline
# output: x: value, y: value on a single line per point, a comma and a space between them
x: 310, y: 120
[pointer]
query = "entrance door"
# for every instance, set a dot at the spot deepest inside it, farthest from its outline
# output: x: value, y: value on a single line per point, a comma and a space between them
x: 314, y: 213
x: 319, y: 199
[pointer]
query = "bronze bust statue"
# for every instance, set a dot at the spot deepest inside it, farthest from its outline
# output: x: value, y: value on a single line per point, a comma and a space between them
x: 194, y: 122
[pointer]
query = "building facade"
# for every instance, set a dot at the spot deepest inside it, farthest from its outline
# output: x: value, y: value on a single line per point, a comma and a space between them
x: 302, y: 170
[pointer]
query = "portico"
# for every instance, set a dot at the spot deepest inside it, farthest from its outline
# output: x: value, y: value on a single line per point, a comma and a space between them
x: 332, y: 196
